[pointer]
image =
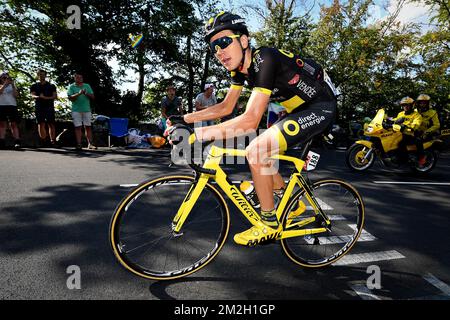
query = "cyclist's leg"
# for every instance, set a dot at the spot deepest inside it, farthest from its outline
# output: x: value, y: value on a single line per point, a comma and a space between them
x: 295, y: 128
x: 263, y: 172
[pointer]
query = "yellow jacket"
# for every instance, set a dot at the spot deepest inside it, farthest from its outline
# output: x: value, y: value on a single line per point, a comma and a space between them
x: 411, y: 121
x: 430, y: 121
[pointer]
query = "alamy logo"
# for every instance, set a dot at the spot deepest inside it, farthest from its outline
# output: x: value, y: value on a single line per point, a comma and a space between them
x: 74, y: 21
x: 74, y: 280
x: 374, y: 280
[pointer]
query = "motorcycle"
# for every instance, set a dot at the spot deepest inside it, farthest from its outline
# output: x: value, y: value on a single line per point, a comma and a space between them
x: 382, y: 141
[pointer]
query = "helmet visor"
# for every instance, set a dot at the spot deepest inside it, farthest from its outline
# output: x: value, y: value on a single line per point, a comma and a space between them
x: 222, y: 43
x: 423, y: 105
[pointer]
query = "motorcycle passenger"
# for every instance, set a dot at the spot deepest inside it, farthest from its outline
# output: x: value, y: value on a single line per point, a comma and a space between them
x: 409, y: 121
x: 430, y: 121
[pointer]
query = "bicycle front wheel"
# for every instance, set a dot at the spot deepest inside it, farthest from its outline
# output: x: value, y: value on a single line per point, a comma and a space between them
x: 141, y: 229
x: 342, y: 204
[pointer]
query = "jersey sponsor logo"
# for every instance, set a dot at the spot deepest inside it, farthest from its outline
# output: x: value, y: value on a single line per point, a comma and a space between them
x: 306, y: 89
x: 257, y: 60
x: 309, y: 68
x: 299, y: 62
x: 309, y: 121
x: 295, y: 128
x: 294, y: 80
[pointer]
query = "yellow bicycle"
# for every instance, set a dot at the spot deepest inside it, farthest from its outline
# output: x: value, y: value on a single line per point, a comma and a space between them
x: 173, y: 226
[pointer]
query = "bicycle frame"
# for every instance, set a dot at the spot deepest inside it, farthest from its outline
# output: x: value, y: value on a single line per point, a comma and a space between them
x: 212, y: 164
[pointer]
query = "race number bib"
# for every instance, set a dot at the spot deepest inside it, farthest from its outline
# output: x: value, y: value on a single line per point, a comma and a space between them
x: 311, y: 161
x: 327, y: 79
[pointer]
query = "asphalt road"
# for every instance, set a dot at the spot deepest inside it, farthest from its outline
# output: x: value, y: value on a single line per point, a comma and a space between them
x: 55, y: 207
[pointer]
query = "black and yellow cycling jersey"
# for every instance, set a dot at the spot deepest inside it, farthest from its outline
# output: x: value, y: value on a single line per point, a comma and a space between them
x: 287, y: 78
x: 300, y: 85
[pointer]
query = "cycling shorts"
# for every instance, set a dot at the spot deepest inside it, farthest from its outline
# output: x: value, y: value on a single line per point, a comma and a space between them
x: 300, y: 126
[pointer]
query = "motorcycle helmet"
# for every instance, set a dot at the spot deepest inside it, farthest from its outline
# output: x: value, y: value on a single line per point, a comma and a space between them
x: 407, y: 104
x: 423, y: 102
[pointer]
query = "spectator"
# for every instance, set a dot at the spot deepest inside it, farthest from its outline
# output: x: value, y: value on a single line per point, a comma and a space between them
x: 81, y: 94
x: 44, y: 95
x: 8, y: 110
x: 274, y: 113
x: 205, y: 100
x: 170, y: 105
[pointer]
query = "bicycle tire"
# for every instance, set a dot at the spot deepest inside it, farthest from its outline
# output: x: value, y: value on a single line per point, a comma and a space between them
x: 305, y: 250
x: 186, y: 252
x: 353, y: 158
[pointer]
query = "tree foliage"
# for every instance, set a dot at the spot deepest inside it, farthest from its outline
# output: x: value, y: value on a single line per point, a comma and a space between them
x: 373, y: 64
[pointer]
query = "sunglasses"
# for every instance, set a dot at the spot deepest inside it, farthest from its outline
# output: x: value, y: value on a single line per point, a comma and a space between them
x: 222, y: 43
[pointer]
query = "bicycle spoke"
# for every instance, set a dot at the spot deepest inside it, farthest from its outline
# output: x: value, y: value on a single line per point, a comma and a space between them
x: 341, y: 205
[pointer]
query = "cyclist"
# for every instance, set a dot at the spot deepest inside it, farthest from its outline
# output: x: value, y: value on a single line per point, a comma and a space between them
x: 300, y: 85
x: 430, y: 121
x: 409, y: 121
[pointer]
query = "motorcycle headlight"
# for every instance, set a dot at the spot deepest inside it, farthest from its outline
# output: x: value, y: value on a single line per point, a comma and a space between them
x: 369, y: 129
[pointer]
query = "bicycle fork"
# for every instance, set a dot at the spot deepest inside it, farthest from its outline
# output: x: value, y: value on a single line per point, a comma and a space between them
x: 189, y: 202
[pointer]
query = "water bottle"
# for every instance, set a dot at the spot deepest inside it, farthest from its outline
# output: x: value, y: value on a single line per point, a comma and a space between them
x: 250, y: 194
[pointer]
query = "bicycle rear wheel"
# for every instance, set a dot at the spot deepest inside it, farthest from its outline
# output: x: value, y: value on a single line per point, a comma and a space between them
x: 343, y: 206
x: 141, y: 229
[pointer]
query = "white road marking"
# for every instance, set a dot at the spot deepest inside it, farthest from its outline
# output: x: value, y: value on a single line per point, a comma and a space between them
x: 438, y: 284
x: 131, y: 185
x: 336, y: 217
x: 368, y: 257
x: 363, y: 292
x: 414, y: 182
x: 365, y: 236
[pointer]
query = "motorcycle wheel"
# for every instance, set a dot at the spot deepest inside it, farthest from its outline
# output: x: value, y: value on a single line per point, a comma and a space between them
x: 355, y: 157
x: 432, y: 156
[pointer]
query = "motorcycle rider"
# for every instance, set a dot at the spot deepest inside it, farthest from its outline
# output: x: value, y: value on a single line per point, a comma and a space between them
x: 409, y: 121
x: 430, y: 121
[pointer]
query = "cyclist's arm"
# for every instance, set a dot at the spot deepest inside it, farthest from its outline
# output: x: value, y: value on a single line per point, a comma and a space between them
x: 219, y: 110
x: 248, y: 121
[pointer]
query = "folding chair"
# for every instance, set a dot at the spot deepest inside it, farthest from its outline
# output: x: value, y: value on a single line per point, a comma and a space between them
x: 118, y: 127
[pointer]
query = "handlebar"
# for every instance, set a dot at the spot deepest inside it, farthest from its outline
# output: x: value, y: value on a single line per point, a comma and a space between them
x: 195, y: 166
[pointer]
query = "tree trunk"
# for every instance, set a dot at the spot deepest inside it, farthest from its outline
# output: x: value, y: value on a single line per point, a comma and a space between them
x: 191, y: 75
